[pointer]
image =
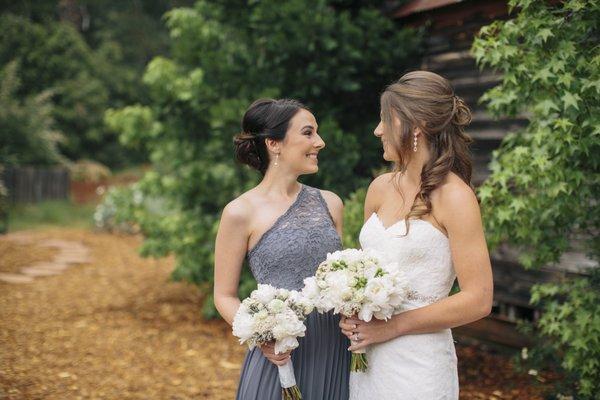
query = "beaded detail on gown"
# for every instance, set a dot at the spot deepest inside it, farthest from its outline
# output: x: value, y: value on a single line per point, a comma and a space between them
x: 288, y: 252
x: 412, y: 366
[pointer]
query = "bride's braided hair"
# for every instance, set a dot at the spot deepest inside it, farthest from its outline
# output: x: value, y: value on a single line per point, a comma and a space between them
x: 425, y: 100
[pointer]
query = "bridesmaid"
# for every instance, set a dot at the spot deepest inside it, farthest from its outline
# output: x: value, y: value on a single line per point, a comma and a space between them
x: 284, y: 229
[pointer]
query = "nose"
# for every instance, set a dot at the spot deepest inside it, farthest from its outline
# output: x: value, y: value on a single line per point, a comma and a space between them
x: 319, y: 143
x: 378, y: 130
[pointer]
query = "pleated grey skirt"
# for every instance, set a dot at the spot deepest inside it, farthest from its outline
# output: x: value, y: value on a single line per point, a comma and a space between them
x: 321, y: 365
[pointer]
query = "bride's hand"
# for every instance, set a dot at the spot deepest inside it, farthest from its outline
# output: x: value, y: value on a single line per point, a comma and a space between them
x: 268, y: 349
x: 375, y: 331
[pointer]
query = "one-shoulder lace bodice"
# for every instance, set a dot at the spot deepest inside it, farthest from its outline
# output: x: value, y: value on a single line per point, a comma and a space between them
x: 296, y: 244
x: 288, y: 252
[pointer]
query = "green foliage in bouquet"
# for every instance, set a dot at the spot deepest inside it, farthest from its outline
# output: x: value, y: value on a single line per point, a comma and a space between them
x: 545, y: 183
x: 225, y: 54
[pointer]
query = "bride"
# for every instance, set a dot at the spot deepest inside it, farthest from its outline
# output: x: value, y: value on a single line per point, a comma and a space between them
x: 425, y: 216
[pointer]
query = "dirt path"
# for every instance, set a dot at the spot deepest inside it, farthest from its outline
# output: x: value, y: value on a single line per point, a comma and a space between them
x: 116, y: 328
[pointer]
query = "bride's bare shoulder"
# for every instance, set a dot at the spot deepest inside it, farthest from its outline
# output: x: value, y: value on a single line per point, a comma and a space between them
x: 453, y: 194
x: 381, y: 183
x: 376, y: 192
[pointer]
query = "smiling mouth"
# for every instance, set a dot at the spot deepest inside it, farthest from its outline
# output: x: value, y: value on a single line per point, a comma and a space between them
x: 312, y: 156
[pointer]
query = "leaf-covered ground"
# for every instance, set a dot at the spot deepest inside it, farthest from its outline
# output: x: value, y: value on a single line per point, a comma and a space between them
x: 117, y: 328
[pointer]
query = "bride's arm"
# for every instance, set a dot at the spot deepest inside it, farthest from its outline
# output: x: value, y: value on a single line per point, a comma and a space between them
x: 458, y: 212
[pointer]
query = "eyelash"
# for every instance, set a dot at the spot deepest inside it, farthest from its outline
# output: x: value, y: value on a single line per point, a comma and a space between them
x: 308, y: 133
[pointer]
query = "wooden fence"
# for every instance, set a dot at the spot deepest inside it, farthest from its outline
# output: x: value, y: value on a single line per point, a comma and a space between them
x: 35, y: 184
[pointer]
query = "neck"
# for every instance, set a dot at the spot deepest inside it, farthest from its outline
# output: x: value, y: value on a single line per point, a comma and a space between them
x: 278, y: 181
x: 415, y: 167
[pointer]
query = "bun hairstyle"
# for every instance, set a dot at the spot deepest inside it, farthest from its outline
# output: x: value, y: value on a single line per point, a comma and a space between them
x: 425, y: 100
x: 264, y: 119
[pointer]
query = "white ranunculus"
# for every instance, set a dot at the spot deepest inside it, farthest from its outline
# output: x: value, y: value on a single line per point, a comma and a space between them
x: 286, y: 344
x: 243, y: 325
x: 276, y: 306
x: 264, y: 293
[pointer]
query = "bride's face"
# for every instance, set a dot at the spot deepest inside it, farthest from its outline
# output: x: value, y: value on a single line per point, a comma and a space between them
x: 383, y: 132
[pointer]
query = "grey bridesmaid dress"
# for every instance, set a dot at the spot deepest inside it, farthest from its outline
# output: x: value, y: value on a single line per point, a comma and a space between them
x: 288, y: 252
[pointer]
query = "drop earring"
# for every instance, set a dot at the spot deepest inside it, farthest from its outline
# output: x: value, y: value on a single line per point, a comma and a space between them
x: 276, y: 159
x: 415, y: 144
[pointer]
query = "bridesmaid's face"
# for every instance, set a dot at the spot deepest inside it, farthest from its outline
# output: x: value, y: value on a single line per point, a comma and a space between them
x: 302, y: 143
x: 389, y: 153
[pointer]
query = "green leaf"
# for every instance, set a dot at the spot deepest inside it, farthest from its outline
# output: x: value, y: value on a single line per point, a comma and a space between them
x: 546, y: 106
x: 571, y: 100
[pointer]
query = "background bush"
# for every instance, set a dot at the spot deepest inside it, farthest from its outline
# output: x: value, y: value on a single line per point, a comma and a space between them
x: 542, y: 195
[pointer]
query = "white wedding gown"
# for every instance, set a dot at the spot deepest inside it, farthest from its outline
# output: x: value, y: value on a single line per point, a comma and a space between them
x: 411, y: 367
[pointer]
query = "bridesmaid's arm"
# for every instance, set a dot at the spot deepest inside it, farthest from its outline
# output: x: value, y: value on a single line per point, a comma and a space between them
x: 458, y: 212
x: 336, y: 209
x: 230, y: 249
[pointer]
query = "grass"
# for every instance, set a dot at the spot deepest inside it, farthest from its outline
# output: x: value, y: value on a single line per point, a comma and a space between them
x: 53, y: 213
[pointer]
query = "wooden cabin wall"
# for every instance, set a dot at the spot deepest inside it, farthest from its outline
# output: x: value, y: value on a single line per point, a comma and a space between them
x: 449, y: 34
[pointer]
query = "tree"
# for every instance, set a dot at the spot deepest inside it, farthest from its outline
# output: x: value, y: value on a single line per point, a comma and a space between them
x: 543, y: 192
x: 225, y: 54
x: 27, y: 132
x: 54, y: 58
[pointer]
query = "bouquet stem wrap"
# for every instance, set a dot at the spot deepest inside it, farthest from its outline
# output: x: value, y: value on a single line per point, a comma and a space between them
x: 358, y: 362
x: 289, y: 390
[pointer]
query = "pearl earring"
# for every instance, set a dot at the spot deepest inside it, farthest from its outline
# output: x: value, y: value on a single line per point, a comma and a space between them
x: 277, y: 159
x: 415, y: 144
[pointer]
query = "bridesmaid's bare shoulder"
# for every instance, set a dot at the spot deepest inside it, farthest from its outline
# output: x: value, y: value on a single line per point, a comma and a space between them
x: 240, y: 209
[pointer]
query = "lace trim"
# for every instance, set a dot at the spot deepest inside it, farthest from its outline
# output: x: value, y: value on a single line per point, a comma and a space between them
x: 414, y: 295
x: 277, y: 221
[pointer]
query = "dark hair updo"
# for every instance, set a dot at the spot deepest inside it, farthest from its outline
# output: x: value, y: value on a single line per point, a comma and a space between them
x: 264, y: 119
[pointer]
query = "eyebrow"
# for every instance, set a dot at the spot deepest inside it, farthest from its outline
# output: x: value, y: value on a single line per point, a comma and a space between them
x: 308, y: 126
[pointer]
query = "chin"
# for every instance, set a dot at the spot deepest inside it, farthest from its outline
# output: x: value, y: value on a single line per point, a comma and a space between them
x: 389, y: 158
x: 311, y: 169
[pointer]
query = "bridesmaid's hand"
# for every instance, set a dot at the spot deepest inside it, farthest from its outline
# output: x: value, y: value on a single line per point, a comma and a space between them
x: 268, y: 350
x: 375, y: 331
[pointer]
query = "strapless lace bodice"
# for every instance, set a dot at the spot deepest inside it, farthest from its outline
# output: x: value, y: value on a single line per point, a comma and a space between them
x: 411, y: 367
x: 423, y: 255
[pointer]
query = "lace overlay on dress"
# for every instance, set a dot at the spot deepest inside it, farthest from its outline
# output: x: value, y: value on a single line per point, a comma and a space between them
x: 411, y: 367
x: 296, y: 244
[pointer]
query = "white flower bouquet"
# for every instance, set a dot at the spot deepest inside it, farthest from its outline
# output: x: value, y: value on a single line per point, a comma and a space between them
x: 357, y: 282
x: 272, y: 314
